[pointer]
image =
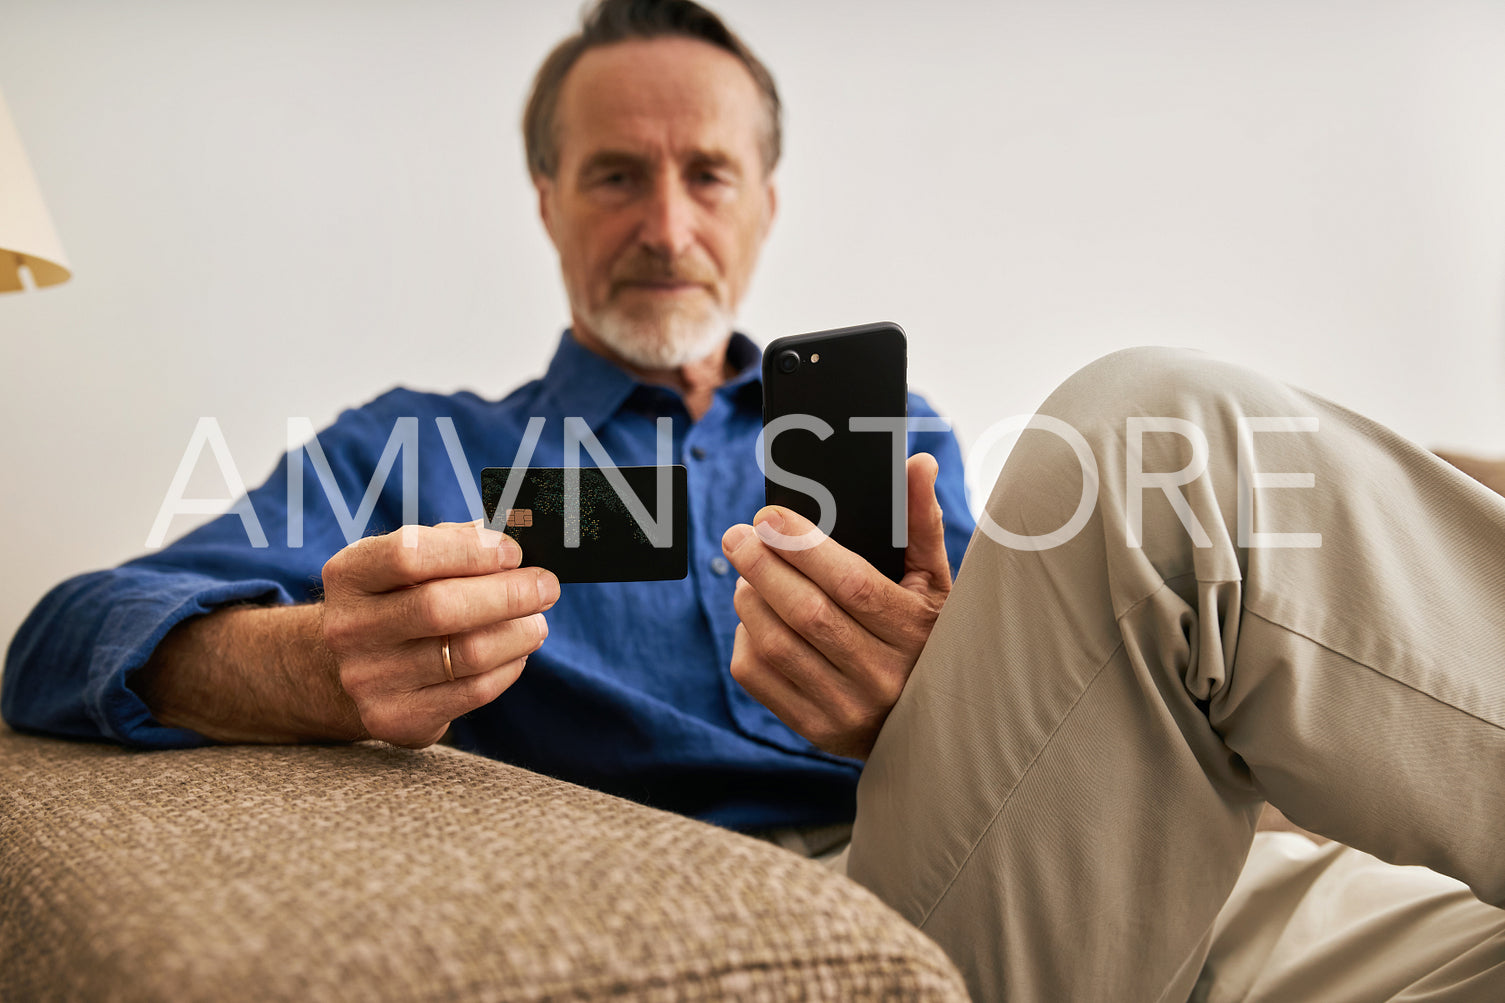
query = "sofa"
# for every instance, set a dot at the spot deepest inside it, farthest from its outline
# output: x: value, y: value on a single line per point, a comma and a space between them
x: 369, y: 872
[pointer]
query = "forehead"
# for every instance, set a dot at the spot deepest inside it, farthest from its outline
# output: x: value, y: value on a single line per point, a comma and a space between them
x: 659, y: 96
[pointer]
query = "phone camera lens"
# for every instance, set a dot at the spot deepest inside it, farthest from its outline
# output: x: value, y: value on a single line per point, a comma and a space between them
x: 788, y: 361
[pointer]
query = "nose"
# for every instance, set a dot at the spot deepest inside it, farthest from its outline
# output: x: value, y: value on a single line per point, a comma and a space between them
x: 669, y: 218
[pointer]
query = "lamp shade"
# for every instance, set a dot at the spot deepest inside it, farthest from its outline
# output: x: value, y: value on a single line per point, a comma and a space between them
x: 26, y: 234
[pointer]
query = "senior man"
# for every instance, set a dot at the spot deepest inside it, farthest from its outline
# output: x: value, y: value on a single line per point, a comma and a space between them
x: 652, y: 139
x: 1060, y: 765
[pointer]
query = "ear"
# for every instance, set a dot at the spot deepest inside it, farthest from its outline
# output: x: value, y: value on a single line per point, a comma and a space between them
x: 773, y: 205
x: 545, y: 188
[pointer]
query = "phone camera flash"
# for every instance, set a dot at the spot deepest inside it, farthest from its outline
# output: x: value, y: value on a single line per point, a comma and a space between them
x: 815, y: 357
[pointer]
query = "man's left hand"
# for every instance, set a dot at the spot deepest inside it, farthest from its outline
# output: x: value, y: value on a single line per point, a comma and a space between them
x: 826, y: 641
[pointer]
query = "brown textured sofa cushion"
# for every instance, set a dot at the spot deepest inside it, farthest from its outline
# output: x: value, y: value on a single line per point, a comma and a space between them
x: 369, y: 872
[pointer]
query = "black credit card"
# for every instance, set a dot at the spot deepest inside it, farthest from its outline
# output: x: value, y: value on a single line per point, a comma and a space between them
x: 616, y: 524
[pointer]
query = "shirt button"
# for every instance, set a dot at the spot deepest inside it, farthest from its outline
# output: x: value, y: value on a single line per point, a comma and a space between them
x: 719, y: 565
x: 698, y: 452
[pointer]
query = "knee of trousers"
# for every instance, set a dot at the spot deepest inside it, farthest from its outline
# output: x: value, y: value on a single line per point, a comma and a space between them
x: 1167, y: 383
x: 1099, y: 405
x: 1155, y: 382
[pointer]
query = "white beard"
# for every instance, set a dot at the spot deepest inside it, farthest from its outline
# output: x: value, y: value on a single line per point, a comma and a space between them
x: 665, y: 340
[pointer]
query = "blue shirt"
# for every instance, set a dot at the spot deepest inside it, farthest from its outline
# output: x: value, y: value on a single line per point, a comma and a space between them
x: 630, y: 693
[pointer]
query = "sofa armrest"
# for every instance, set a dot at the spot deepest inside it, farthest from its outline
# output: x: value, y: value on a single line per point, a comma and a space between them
x: 371, y: 872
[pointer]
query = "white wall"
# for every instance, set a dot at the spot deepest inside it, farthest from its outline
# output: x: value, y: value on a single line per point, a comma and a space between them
x: 279, y: 208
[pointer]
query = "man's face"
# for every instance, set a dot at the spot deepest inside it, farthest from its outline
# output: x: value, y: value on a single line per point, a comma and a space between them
x: 661, y: 200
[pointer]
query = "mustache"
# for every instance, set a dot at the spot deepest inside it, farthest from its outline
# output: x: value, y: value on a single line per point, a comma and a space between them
x: 644, y: 267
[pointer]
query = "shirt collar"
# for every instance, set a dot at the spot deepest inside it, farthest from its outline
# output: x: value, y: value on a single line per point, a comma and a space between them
x: 746, y: 358
x: 591, y: 387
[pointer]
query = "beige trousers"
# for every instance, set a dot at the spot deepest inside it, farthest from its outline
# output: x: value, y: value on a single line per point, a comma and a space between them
x: 1066, y: 793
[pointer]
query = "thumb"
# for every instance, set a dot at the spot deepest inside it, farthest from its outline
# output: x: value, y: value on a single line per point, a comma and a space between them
x: 925, y: 563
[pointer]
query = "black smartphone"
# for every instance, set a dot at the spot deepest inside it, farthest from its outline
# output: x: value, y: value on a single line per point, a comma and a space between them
x: 834, y: 445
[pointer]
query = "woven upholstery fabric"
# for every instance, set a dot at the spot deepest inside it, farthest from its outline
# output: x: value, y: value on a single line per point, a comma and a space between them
x: 370, y: 872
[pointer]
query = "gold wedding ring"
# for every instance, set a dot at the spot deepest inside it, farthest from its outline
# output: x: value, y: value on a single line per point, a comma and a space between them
x: 449, y: 667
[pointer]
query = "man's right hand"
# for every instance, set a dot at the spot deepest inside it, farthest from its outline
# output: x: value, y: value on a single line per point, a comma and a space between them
x: 367, y: 661
x: 390, y: 603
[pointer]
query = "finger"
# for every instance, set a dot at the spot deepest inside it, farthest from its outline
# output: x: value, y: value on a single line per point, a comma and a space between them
x: 925, y: 556
x: 480, y: 649
x: 453, y: 605
x: 416, y: 554
x: 784, y: 650
x: 804, y: 605
x: 421, y: 716
x: 772, y: 688
x: 843, y: 580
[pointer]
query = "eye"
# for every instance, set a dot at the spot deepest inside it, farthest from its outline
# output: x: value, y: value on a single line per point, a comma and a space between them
x: 712, y: 184
x: 612, y: 184
x: 609, y: 180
